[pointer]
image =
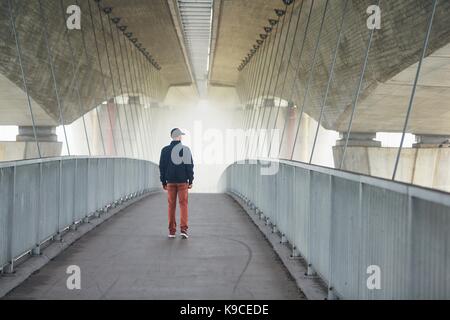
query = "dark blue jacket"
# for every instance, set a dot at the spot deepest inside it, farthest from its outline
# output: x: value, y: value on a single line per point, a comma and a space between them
x: 176, y: 164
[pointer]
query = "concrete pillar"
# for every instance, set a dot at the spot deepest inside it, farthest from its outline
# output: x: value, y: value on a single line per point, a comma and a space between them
x: 268, y: 103
x: 289, y: 135
x: 134, y: 100
x: 111, y: 135
x: 357, y: 157
x: 358, y: 139
x: 426, y: 164
x: 44, y: 134
x: 25, y: 145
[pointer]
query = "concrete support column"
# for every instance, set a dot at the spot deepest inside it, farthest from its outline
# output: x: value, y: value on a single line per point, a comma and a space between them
x: 291, y: 128
x: 134, y: 100
x: 44, y: 134
x: 425, y: 164
x: 25, y: 145
x: 357, y: 157
x: 269, y: 103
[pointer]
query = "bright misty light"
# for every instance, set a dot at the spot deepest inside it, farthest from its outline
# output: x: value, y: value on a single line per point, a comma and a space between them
x: 203, y: 104
x: 393, y: 140
x: 8, y: 133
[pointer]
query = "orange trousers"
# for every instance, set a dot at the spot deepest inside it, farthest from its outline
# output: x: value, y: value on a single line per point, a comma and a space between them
x: 180, y: 190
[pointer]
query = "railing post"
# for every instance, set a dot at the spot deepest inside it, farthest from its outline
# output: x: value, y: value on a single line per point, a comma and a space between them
x: 37, y: 249
x: 331, y: 292
x: 86, y: 217
x: 295, y: 253
x: 261, y: 215
x: 410, y: 275
x: 361, y: 235
x: 310, y: 271
x: 73, y: 225
x: 98, y: 199
x: 57, y: 236
x: 122, y: 185
x: 10, y: 267
x: 113, y: 198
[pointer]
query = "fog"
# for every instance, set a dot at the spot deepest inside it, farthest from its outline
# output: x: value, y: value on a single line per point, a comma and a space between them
x: 210, y: 133
x: 206, y: 128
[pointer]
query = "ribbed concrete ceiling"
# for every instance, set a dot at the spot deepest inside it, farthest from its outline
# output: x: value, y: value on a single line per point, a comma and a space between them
x: 239, y: 26
x: 151, y: 22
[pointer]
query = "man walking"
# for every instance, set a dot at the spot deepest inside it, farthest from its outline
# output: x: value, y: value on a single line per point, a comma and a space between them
x: 176, y: 168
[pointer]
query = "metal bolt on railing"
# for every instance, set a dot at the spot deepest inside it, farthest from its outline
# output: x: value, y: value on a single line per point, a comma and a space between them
x: 310, y: 272
x: 9, y: 269
x: 295, y: 253
x: 331, y: 294
x: 36, y: 251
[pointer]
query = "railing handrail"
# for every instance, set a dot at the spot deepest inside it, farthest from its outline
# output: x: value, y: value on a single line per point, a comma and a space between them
x: 425, y: 193
x: 43, y: 197
x: 17, y: 163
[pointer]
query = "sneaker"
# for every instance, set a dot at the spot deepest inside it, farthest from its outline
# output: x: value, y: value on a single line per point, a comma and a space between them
x: 184, y: 235
x: 172, y: 236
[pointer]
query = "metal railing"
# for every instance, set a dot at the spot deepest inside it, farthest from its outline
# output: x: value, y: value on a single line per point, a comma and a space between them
x: 354, y: 230
x: 39, y: 199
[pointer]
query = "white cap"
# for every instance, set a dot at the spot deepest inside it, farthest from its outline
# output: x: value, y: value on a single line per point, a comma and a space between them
x: 176, y: 133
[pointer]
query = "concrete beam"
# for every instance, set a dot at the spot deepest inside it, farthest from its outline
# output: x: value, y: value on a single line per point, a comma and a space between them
x: 26, y: 148
x: 43, y: 134
x: 358, y: 139
x: 432, y: 141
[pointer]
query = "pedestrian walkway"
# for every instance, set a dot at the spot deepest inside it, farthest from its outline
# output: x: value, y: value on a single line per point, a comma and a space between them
x: 130, y: 257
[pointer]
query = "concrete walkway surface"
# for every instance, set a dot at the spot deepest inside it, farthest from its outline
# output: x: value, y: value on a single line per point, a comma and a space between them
x: 130, y: 257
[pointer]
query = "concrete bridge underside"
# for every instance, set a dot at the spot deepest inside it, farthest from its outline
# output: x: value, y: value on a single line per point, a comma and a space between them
x: 389, y: 77
x: 237, y: 25
x: 130, y: 257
